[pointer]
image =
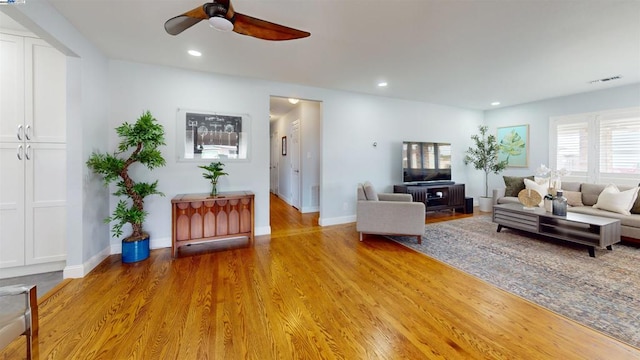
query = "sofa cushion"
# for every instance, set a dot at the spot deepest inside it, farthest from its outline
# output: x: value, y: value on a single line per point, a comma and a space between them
x: 574, y: 198
x: 570, y: 185
x: 360, y: 192
x: 590, y: 193
x: 514, y: 184
x: 541, y: 188
x: 369, y: 192
x: 612, y: 199
x: 636, y: 206
x: 625, y: 220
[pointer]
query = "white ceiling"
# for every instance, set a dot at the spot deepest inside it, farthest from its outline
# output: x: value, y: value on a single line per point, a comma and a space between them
x: 462, y: 53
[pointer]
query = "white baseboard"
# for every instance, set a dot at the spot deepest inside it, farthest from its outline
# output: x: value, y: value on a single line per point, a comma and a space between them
x: 336, y: 220
x: 79, y: 271
x: 31, y: 269
x: 310, y: 209
x: 262, y: 230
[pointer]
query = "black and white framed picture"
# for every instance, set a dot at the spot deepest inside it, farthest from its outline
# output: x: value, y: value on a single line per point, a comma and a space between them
x: 208, y: 135
x: 284, y: 146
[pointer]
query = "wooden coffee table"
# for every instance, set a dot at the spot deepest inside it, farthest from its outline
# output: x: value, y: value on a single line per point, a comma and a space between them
x: 592, y: 231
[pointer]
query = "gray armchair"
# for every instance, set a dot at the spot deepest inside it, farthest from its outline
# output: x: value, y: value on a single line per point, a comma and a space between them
x: 18, y: 315
x: 388, y: 214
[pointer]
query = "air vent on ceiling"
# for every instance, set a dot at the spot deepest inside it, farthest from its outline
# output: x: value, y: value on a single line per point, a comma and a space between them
x: 605, y: 79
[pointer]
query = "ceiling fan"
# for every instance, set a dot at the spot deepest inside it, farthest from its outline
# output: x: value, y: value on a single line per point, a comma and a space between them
x: 221, y: 16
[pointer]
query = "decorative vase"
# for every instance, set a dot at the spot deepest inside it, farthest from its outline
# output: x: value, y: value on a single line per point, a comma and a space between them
x: 560, y: 204
x: 548, y: 205
x: 214, y: 188
x: 134, y: 251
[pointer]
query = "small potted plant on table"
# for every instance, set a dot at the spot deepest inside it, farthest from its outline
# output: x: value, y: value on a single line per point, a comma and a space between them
x: 139, y: 144
x: 214, y: 171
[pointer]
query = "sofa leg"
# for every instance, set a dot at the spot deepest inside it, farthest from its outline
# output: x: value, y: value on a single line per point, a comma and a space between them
x: 361, y: 237
x: 419, y: 239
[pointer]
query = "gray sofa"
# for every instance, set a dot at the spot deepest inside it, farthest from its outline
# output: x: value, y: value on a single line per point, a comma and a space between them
x: 388, y: 213
x: 630, y: 224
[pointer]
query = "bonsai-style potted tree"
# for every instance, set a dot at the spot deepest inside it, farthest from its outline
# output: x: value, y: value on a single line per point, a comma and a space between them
x: 484, y: 156
x: 139, y: 144
x: 214, y: 171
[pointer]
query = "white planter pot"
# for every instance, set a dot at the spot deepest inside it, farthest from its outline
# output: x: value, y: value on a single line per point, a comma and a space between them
x: 485, y: 204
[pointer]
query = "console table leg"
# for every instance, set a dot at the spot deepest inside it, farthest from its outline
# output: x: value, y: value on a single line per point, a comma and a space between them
x: 499, y: 228
x: 592, y: 251
x: 609, y: 247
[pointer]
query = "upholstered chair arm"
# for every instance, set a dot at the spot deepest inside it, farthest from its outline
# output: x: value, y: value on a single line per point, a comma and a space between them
x: 390, y: 217
x: 395, y: 197
x: 498, y: 193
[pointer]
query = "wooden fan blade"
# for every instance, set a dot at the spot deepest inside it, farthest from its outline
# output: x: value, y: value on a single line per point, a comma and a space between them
x: 247, y: 25
x: 180, y: 23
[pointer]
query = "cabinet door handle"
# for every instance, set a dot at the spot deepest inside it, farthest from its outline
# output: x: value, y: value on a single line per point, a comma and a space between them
x: 19, y: 152
x: 27, y: 132
x: 19, y: 132
x: 27, y: 153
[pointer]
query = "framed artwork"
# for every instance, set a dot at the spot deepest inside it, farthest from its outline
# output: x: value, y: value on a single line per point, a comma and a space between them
x: 514, y: 145
x: 209, y: 135
x: 284, y: 146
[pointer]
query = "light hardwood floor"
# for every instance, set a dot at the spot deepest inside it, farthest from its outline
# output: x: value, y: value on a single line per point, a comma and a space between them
x: 305, y: 292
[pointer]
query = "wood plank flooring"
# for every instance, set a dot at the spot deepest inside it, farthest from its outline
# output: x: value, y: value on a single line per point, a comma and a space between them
x: 304, y: 292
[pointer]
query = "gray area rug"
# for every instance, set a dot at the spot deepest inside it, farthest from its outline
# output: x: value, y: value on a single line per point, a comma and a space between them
x: 602, y: 292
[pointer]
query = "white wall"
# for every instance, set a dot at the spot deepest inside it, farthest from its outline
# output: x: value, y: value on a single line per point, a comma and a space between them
x: 537, y: 115
x: 310, y: 155
x: 350, y: 124
x: 87, y: 103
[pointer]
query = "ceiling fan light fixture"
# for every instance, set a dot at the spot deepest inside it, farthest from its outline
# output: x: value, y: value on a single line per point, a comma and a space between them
x: 220, y: 23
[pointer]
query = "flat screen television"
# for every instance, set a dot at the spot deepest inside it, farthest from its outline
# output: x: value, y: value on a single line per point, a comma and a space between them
x: 426, y: 162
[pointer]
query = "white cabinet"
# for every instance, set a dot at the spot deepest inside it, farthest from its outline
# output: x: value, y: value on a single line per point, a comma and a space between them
x: 32, y: 156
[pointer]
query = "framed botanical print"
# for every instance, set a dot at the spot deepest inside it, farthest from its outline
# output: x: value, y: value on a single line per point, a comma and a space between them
x: 514, y: 145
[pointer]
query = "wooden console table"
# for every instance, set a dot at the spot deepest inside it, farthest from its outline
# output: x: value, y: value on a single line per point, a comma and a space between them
x: 197, y: 218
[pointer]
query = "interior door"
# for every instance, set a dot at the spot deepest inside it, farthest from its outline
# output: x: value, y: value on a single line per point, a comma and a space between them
x: 273, y: 162
x: 294, y: 148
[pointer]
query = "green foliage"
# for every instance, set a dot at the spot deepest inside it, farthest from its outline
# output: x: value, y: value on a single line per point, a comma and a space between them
x: 214, y: 171
x: 512, y: 144
x: 484, y: 156
x: 139, y: 143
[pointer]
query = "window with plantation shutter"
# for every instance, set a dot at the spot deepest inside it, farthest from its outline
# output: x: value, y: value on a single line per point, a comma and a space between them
x: 598, y: 147
x: 620, y: 144
x: 572, y: 146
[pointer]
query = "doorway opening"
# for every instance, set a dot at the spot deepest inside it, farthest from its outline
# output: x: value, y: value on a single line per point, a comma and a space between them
x: 295, y: 152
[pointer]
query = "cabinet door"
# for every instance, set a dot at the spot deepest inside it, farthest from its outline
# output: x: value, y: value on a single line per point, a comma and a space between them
x: 12, y: 183
x: 11, y: 87
x: 45, y: 199
x: 456, y: 195
x: 45, y: 97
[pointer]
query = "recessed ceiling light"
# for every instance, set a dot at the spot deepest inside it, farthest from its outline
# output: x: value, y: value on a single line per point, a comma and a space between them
x: 293, y: 101
x: 194, y: 53
x: 382, y: 84
x: 495, y: 103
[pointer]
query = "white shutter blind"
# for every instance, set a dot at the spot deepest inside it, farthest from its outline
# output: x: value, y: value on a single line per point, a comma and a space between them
x: 572, y: 146
x: 620, y: 144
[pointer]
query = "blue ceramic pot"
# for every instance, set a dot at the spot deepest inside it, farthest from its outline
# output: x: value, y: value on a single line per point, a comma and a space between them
x: 134, y: 251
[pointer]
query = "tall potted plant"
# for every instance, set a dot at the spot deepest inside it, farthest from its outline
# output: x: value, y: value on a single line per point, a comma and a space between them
x: 139, y: 143
x: 484, y: 156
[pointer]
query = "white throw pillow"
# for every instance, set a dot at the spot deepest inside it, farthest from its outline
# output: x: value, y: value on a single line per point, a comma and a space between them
x: 541, y: 188
x: 612, y: 199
